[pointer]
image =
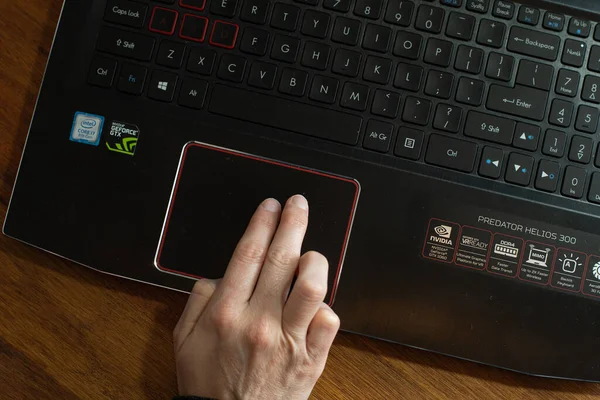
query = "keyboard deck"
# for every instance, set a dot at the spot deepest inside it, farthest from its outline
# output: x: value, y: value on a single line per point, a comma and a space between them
x: 493, y: 88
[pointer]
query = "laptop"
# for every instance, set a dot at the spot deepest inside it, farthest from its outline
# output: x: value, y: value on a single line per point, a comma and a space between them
x: 448, y: 150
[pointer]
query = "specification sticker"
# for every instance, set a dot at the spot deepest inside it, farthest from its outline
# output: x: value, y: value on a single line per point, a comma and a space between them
x: 505, y: 255
x: 537, y: 262
x: 591, y: 286
x: 473, y: 247
x: 568, y: 269
x: 441, y: 240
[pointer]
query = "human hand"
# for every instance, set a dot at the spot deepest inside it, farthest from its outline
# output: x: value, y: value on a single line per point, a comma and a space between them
x: 246, y: 336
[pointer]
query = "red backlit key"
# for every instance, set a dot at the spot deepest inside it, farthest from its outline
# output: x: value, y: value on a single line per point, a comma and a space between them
x: 193, y: 28
x: 193, y: 4
x: 224, y: 34
x: 163, y: 20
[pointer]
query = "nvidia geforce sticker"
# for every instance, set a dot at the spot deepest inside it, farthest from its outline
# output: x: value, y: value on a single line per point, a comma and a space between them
x: 123, y: 138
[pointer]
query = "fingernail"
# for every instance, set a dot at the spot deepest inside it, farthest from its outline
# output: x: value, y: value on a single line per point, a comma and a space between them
x: 271, y: 205
x: 300, y: 201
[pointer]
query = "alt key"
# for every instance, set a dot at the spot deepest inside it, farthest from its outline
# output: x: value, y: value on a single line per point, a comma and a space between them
x: 378, y: 136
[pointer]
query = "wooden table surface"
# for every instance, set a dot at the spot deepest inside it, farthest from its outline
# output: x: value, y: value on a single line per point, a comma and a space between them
x: 67, y: 332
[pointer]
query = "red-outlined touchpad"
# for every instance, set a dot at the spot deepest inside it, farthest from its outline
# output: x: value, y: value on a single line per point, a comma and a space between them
x: 217, y: 190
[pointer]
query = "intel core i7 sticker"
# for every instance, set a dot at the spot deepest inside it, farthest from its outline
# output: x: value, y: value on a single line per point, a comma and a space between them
x: 87, y: 128
x: 123, y: 138
x: 441, y: 240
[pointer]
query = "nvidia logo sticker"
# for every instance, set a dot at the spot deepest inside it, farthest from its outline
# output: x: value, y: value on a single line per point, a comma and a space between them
x: 122, y: 138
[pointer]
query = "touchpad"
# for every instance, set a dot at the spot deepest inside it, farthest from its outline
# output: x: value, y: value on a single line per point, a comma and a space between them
x: 217, y: 190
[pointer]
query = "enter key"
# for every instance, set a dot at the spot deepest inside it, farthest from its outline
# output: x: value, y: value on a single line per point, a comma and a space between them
x: 521, y: 101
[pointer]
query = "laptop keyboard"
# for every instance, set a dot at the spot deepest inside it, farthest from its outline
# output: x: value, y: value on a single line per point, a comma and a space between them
x: 493, y: 88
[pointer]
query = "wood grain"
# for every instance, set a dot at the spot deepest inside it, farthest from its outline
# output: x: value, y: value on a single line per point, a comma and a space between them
x: 67, y: 332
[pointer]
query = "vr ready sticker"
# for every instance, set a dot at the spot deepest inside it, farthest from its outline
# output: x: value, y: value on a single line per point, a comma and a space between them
x: 87, y: 128
x: 122, y: 138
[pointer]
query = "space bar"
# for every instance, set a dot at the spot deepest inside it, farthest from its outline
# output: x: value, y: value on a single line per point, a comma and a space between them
x: 285, y: 114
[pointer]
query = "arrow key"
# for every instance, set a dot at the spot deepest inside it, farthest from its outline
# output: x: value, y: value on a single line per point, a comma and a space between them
x: 561, y: 113
x: 547, y: 176
x: 526, y: 136
x: 519, y: 169
x: 491, y: 162
x: 581, y: 149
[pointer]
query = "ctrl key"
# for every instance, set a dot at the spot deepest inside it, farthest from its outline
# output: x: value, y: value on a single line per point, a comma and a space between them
x: 102, y: 71
x: 451, y: 153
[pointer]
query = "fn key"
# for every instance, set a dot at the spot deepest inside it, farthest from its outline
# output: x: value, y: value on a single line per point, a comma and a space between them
x: 451, y: 153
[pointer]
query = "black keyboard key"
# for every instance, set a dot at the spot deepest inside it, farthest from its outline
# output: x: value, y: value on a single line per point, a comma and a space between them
x: 581, y: 149
x: 132, y: 79
x: 346, y: 62
x: 193, y: 93
x: 469, y: 59
x: 460, y: 26
x: 567, y: 83
x: 324, y: 89
x: 470, y: 91
x: 385, y: 103
x: 533, y: 43
x: 162, y: 86
x: 279, y: 113
x: 254, y: 41
x: 197, y: 5
x: 535, y: 75
x: 489, y: 127
x: 193, y: 28
x: 408, y: 77
x: 521, y: 101
x: 504, y: 9
x: 491, y: 162
x: 594, y: 193
x: 554, y: 22
x: 561, y: 113
x: 409, y: 143
x: 478, y: 6
x: 310, y: 2
x: 399, y: 12
x: 377, y: 70
x: 354, y: 96
x: 430, y: 19
x: 447, y: 118
x: 547, y: 176
x: 587, y: 119
x: 500, y: 67
x: 439, y: 84
x: 438, y: 52
x: 170, y: 54
x: 519, y: 169
x: 416, y: 111
x: 316, y: 55
x: 225, y: 8
x: 285, y: 17
x: 594, y: 61
x: 163, y: 20
x: 574, y: 182
x: 125, y: 12
x: 285, y: 48
x: 528, y: 15
x: 451, y: 153
x: 102, y: 71
x: 337, y: 5
x: 232, y: 68
x: 378, y: 136
x: 315, y: 24
x: 224, y: 34
x: 574, y: 53
x: 368, y: 8
x: 262, y: 75
x: 579, y: 27
x: 346, y: 31
x: 491, y: 33
x: 590, y: 89
x: 527, y: 136
x: 125, y: 44
x: 201, y: 61
x: 451, y: 3
x: 255, y: 11
x: 377, y: 38
x: 408, y: 45
x: 293, y: 82
x: 554, y: 143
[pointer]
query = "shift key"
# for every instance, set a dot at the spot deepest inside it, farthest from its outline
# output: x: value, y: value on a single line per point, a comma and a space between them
x: 451, y: 153
x: 521, y: 101
x: 126, y: 44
